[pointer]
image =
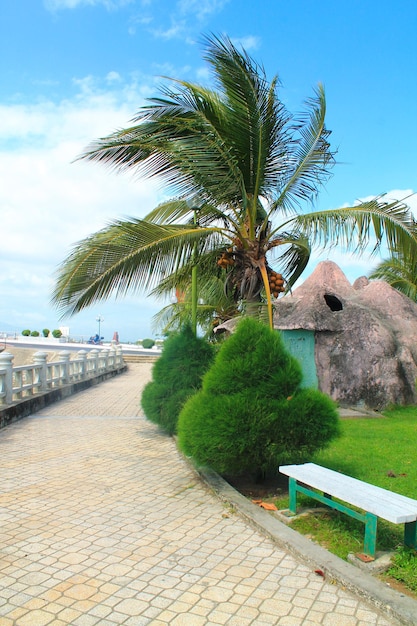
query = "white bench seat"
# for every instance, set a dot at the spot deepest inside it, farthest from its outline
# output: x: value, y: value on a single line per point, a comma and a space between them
x: 375, y: 501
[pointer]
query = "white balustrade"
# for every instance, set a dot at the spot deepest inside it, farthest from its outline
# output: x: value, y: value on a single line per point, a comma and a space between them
x: 23, y: 381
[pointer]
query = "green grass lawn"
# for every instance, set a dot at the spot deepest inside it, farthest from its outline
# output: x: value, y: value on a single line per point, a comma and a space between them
x: 374, y: 449
x: 380, y: 451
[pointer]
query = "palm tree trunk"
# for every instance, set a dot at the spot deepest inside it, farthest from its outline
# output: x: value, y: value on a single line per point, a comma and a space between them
x: 194, y: 299
x: 265, y: 279
x: 194, y: 294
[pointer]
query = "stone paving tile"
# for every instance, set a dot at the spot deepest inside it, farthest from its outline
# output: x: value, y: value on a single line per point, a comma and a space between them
x: 103, y: 522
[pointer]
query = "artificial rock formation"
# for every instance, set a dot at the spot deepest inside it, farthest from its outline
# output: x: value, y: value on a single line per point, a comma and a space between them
x: 365, y: 337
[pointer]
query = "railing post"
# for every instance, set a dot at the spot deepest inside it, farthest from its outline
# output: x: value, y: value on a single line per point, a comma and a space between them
x: 82, y: 355
x: 64, y: 373
x: 39, y: 358
x: 6, y: 364
x: 94, y: 360
x: 104, y: 354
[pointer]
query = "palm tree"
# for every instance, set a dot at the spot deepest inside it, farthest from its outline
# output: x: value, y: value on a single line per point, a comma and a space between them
x: 244, y: 174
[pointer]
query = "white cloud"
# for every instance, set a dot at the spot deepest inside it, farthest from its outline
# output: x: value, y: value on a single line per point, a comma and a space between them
x: 203, y: 74
x: 250, y: 42
x: 176, y: 30
x: 185, y: 18
x: 96, y: 109
x: 57, y: 5
x: 201, y: 9
x: 113, y: 77
x: 48, y: 202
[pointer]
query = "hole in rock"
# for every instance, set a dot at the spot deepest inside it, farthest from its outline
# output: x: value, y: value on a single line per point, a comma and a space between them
x: 333, y: 302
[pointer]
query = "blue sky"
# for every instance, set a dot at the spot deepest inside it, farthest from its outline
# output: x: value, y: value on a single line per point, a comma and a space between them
x: 75, y: 70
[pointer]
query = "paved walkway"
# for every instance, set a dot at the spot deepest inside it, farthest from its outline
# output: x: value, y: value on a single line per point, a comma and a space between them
x: 103, y: 522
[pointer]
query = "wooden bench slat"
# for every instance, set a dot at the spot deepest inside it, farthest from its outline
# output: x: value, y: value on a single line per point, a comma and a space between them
x: 386, y: 504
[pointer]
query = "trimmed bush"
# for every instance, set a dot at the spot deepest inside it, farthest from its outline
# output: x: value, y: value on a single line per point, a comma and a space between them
x: 57, y: 333
x: 26, y: 332
x: 176, y: 376
x: 251, y: 415
x: 34, y: 333
x: 148, y: 343
x: 308, y: 424
x: 46, y: 332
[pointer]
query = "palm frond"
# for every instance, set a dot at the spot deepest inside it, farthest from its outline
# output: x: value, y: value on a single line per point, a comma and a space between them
x: 187, y: 211
x: 127, y: 256
x: 178, y: 138
x: 354, y: 228
x: 309, y: 159
x: 400, y: 272
x: 177, y: 210
x: 257, y: 119
x: 180, y: 279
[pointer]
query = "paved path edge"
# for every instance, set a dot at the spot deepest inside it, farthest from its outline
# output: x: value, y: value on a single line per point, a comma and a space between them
x: 390, y: 602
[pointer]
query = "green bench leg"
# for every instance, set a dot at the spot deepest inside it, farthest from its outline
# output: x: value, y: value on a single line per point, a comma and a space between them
x: 410, y: 535
x: 292, y: 488
x: 369, y: 545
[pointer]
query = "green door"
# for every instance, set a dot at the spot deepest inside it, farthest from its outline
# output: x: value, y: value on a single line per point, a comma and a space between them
x: 300, y: 343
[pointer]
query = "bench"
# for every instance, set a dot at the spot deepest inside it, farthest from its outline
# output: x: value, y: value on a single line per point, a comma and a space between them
x: 375, y: 501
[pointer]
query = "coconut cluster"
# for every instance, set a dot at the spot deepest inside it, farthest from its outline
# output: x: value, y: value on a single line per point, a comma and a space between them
x: 225, y: 260
x: 276, y: 283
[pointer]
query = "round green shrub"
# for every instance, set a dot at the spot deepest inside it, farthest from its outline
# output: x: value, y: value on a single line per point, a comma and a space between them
x: 308, y: 424
x: 46, y: 332
x: 26, y: 332
x: 148, y: 344
x: 251, y: 414
x: 57, y: 333
x: 34, y: 333
x: 176, y: 376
